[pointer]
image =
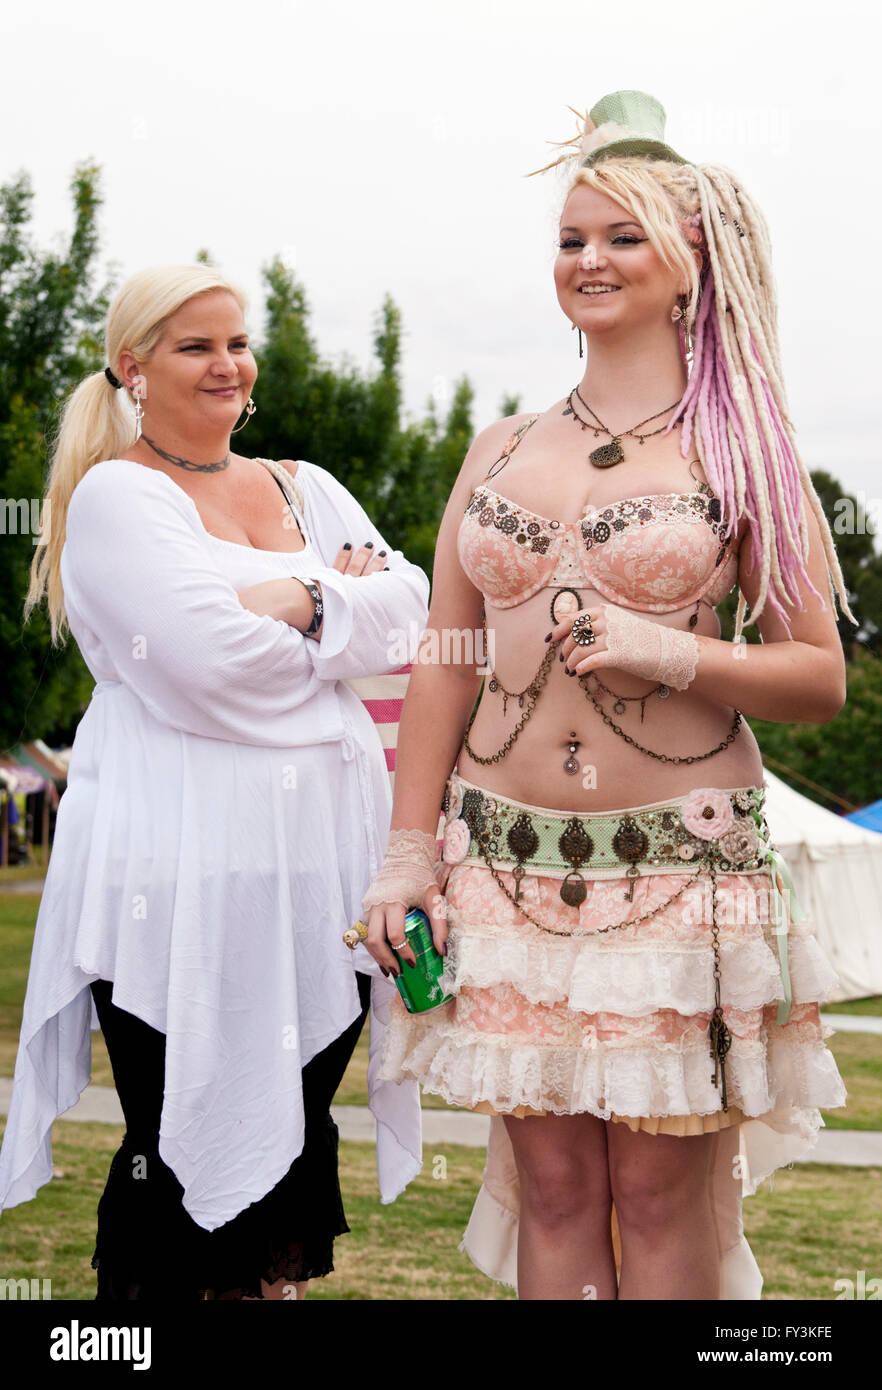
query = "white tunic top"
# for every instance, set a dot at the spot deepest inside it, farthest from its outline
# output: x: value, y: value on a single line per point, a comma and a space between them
x: 227, y: 805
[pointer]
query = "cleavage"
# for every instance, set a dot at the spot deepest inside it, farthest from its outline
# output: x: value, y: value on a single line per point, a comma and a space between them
x: 508, y: 478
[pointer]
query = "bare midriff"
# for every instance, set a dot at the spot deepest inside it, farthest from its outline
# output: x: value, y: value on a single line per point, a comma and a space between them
x: 612, y: 774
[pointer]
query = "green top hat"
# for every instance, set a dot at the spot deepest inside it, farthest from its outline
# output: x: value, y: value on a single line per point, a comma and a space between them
x: 641, y: 122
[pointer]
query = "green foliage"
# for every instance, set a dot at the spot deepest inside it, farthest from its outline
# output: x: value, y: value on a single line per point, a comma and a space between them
x: 349, y: 422
x: 843, y: 756
x: 861, y: 565
x: 51, y: 312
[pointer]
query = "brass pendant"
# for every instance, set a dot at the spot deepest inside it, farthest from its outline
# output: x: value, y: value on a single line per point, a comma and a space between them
x: 720, y: 1042
x: 522, y: 838
x: 573, y: 894
x: 607, y: 455
x: 575, y: 843
x: 629, y: 841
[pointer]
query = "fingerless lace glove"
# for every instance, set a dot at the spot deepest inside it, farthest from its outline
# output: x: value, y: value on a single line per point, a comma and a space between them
x: 408, y: 870
x: 651, y: 650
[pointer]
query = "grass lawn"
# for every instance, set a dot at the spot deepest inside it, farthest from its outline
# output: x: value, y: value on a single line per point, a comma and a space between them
x: 409, y: 1250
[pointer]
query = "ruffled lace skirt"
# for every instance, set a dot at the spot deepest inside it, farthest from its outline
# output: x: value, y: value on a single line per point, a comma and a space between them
x: 616, y: 1025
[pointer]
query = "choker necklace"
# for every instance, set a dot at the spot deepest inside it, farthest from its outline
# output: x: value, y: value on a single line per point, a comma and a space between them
x: 609, y: 454
x: 186, y: 463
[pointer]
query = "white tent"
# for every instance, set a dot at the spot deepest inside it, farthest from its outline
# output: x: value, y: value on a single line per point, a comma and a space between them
x: 837, y: 873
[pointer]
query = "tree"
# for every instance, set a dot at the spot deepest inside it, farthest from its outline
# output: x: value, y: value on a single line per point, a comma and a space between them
x: 843, y: 756
x: 51, y: 312
x: 349, y: 422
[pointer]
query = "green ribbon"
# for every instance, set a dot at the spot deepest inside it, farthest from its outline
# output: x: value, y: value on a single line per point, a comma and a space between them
x: 782, y: 904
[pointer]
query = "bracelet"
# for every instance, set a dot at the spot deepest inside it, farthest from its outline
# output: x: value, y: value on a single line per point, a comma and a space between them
x: 319, y: 606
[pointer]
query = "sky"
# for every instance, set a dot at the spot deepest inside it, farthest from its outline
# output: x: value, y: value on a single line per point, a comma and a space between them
x: 382, y: 147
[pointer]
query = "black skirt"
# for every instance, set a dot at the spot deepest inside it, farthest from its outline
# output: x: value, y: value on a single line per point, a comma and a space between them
x: 149, y: 1247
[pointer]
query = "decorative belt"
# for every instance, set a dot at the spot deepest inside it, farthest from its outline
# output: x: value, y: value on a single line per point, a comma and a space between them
x: 710, y: 831
x: 670, y: 835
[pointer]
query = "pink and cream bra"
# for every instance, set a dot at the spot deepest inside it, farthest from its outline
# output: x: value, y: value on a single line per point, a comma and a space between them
x: 655, y: 553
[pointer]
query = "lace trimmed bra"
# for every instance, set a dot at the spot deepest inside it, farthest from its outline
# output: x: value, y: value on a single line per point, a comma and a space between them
x: 655, y: 553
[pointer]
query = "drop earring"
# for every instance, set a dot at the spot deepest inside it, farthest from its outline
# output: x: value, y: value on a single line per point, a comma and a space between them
x: 250, y: 410
x: 678, y: 316
x: 580, y: 339
x: 139, y: 413
x: 678, y: 313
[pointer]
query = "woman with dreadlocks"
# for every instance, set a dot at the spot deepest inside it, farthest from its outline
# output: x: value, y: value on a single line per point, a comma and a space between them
x: 634, y: 987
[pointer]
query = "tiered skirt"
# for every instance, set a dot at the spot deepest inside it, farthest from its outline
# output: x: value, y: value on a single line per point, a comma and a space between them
x: 616, y: 1025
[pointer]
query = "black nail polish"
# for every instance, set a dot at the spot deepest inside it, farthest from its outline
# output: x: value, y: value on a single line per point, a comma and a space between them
x: 548, y: 638
x: 385, y: 567
x: 368, y: 545
x: 381, y: 552
x: 347, y: 546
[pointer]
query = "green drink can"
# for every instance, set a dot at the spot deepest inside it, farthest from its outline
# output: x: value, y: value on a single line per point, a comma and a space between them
x: 420, y: 985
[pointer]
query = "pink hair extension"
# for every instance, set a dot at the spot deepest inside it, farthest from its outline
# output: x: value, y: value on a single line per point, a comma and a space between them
x: 710, y: 398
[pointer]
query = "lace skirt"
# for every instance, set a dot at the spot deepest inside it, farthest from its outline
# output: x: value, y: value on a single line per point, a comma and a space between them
x: 616, y: 1024
x: 148, y: 1247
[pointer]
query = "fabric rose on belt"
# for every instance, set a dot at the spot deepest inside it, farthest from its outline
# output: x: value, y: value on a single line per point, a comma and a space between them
x: 707, y: 813
x: 740, y: 843
x: 457, y: 839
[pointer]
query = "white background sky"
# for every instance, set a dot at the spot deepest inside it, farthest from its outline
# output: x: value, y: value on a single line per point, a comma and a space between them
x: 381, y: 147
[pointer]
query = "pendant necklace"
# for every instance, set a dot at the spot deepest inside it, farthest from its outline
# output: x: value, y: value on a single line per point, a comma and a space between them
x: 609, y: 454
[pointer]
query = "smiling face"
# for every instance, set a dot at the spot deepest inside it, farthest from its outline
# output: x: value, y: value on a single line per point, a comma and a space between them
x: 201, y: 372
x: 601, y: 245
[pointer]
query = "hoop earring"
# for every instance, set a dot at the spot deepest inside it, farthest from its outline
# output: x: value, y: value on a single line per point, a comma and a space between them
x: 250, y: 409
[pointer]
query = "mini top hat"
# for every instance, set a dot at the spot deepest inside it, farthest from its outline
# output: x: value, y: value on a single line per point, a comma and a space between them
x: 626, y: 123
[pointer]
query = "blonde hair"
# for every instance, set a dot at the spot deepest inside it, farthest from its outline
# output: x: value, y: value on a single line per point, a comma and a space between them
x: 98, y: 421
x: 735, y: 401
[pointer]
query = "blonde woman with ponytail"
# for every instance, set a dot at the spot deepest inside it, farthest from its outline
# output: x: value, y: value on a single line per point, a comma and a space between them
x: 634, y: 987
x: 227, y: 801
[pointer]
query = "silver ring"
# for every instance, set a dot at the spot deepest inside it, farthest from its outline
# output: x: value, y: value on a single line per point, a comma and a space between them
x: 398, y: 945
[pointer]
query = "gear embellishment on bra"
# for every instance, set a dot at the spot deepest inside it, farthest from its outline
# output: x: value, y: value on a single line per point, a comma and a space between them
x: 702, y: 504
x: 511, y: 522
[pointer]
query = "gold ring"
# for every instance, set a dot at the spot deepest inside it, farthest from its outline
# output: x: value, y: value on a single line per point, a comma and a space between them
x: 356, y: 933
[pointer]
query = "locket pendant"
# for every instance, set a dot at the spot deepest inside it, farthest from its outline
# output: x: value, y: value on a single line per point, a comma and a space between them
x: 607, y: 455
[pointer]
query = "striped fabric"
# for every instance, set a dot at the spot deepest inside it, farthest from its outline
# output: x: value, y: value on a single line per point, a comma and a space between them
x: 383, y: 697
